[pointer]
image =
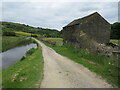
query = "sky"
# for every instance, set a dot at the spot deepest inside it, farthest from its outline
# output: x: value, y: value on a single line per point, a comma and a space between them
x: 55, y: 15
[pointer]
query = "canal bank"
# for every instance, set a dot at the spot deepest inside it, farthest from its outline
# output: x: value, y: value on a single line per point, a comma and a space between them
x: 14, y: 55
x: 26, y: 73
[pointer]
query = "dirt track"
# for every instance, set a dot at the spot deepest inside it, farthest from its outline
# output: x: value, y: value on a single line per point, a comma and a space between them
x: 60, y: 72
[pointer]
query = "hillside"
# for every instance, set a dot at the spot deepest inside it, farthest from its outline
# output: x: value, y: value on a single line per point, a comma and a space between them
x: 9, y: 26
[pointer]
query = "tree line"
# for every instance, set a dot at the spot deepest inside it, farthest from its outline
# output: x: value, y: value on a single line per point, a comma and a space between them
x: 115, y: 30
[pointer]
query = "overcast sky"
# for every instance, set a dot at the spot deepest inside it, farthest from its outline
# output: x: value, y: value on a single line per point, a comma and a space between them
x: 55, y: 15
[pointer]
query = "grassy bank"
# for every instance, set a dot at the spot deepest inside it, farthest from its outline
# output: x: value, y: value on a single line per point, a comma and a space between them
x: 10, y: 42
x: 102, y: 65
x: 27, y: 73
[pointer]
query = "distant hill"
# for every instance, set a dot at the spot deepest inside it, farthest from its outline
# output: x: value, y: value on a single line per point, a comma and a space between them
x: 10, y: 26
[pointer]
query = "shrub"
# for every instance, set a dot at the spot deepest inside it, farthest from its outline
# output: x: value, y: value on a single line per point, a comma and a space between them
x: 9, y: 33
x: 33, y: 35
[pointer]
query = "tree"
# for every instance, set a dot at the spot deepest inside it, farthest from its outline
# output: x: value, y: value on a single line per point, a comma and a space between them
x: 115, y: 31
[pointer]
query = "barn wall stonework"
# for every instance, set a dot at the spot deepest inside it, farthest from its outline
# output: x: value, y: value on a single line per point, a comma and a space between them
x: 96, y: 27
x: 88, y: 33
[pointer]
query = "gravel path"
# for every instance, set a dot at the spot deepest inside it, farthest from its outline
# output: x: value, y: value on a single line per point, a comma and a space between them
x: 61, y: 72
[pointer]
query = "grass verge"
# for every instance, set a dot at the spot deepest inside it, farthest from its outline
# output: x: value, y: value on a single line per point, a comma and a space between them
x: 27, y: 73
x: 102, y: 65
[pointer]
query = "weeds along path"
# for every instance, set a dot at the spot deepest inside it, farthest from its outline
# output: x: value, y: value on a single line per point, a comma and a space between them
x: 60, y: 72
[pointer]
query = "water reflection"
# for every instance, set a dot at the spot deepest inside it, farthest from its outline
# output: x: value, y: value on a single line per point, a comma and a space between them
x: 11, y: 56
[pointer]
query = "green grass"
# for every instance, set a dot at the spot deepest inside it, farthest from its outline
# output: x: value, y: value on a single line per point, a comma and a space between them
x: 25, y: 33
x: 27, y: 73
x: 57, y: 41
x: 11, y: 42
x: 100, y: 64
x: 53, y: 39
x: 114, y: 41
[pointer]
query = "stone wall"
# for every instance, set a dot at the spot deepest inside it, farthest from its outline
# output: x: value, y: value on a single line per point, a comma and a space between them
x: 88, y: 33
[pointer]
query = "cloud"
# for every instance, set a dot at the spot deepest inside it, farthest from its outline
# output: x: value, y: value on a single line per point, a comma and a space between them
x: 55, y: 14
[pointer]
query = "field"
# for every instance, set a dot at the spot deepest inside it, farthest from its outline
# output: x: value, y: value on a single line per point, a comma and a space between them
x: 24, y: 33
x: 27, y: 73
x: 56, y: 41
x: 102, y: 65
x: 10, y: 42
x: 53, y: 39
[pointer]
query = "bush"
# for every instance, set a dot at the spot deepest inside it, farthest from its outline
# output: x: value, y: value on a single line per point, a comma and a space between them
x: 8, y: 33
x: 33, y: 35
x: 115, y: 31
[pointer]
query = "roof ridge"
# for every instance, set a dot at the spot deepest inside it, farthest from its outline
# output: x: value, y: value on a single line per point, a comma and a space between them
x: 88, y: 15
x: 85, y: 17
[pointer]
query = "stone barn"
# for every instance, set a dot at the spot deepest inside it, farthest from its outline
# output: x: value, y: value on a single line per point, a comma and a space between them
x: 84, y: 31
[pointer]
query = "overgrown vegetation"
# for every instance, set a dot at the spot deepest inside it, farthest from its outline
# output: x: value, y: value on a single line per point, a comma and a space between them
x: 27, y: 73
x: 30, y: 52
x: 10, y: 42
x: 105, y: 66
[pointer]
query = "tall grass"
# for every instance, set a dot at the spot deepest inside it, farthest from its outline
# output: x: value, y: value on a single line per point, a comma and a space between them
x: 104, y: 66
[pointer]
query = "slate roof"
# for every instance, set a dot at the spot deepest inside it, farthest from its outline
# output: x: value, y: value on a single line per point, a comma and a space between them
x: 81, y: 20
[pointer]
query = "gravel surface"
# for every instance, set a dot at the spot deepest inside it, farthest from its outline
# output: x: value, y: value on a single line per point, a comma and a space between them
x: 61, y: 72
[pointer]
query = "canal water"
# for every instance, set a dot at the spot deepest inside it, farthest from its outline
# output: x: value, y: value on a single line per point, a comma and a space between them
x: 12, y: 56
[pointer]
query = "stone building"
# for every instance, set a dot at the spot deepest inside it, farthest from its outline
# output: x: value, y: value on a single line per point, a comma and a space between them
x: 85, y: 31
